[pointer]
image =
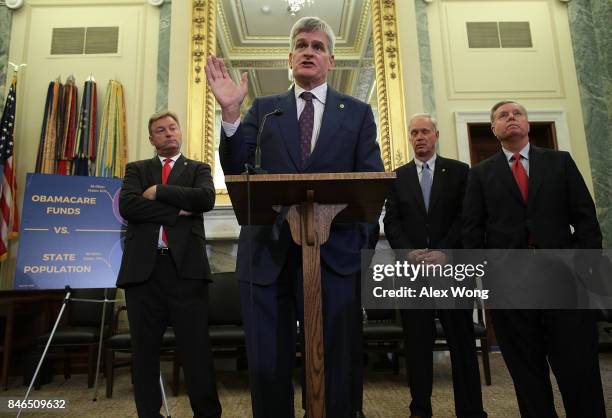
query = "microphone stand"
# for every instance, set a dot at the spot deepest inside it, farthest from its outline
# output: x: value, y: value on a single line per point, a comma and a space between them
x: 249, y: 169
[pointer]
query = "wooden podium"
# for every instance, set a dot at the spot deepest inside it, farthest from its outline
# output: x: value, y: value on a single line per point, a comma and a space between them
x: 314, y: 201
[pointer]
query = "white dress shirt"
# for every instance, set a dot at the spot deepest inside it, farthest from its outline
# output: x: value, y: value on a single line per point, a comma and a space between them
x: 160, y: 241
x: 318, y: 101
x: 431, y: 163
x: 524, y: 153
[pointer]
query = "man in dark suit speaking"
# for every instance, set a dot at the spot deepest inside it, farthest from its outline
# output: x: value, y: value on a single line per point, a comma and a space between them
x: 164, y: 269
x: 319, y: 130
x: 423, y: 217
x: 530, y: 197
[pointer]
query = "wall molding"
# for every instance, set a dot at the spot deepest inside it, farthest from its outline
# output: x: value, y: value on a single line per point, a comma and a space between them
x: 558, y: 117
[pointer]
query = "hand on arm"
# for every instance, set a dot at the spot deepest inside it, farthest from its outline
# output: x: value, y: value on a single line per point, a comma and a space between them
x: 135, y: 207
x: 150, y: 193
x: 228, y: 93
x: 198, y: 198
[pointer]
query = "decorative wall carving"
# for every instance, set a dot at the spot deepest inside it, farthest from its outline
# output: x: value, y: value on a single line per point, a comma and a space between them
x: 201, y: 102
x: 389, y: 85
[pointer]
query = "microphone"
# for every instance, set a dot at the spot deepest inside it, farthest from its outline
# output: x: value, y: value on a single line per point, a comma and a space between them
x: 257, y: 169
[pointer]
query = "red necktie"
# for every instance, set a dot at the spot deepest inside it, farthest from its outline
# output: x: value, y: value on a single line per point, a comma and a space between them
x: 165, y: 173
x: 520, y: 175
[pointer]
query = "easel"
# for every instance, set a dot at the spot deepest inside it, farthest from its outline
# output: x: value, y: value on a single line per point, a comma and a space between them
x: 65, y: 302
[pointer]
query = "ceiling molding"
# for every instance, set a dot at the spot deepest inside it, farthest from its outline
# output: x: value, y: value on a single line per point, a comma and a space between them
x: 277, y: 45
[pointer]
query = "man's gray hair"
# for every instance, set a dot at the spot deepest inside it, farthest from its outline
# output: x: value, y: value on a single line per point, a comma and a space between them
x: 313, y: 24
x: 433, y: 120
x: 162, y: 114
x: 503, y: 102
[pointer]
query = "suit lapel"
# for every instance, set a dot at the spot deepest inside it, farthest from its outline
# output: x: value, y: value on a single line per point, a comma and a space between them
x: 179, y: 166
x: 287, y: 122
x: 414, y: 186
x: 507, y: 178
x: 439, y: 181
x: 333, y: 116
x: 155, y: 168
x: 535, y: 172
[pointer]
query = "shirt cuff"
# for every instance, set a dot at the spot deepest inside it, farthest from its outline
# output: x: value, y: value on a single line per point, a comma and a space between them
x: 230, y: 128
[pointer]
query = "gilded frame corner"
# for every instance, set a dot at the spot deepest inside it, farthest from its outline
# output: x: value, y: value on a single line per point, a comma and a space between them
x: 200, y: 100
x: 389, y: 85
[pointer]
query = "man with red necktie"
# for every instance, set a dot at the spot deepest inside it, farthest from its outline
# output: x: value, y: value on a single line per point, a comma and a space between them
x: 530, y: 197
x: 164, y: 269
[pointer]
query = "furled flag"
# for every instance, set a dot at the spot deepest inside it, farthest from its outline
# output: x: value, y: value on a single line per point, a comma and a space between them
x: 112, y: 138
x: 45, y: 158
x: 9, y: 214
x: 84, y: 150
x: 68, y: 127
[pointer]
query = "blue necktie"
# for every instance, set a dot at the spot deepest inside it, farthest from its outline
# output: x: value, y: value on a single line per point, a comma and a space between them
x: 426, y: 181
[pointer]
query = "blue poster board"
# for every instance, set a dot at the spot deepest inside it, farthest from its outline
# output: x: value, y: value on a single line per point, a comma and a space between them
x: 71, y: 233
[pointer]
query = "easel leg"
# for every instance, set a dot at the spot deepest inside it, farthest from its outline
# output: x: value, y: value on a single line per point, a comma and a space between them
x: 42, y: 357
x: 95, y: 398
x: 163, y: 392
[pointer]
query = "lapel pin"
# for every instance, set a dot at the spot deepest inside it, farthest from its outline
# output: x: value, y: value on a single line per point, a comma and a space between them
x: 443, y: 170
x: 341, y: 105
x: 185, y: 163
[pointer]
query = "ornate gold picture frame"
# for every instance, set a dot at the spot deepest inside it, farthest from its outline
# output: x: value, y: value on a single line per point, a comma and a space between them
x: 389, y: 86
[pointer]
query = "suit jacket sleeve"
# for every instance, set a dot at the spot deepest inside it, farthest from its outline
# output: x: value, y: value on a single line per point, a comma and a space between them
x: 137, y: 209
x: 474, y: 214
x: 197, y: 199
x: 583, y: 218
x: 393, y: 223
x: 453, y: 236
x: 367, y: 155
x: 239, y: 149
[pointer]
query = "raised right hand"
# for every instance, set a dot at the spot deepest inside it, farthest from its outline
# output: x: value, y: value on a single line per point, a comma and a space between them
x: 228, y: 93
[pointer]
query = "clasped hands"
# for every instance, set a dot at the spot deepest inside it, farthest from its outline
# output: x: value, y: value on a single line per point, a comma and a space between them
x: 427, y: 256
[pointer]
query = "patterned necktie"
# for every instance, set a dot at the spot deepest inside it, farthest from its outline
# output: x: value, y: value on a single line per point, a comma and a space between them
x: 305, y: 124
x: 426, y: 181
x: 167, y: 167
x: 520, y: 175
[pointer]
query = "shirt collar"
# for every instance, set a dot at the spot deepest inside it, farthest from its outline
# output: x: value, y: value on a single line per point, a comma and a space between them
x: 430, y: 163
x: 320, y: 92
x: 524, y: 152
x: 176, y: 157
